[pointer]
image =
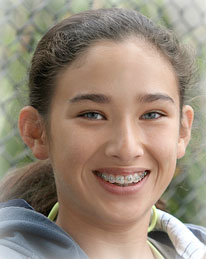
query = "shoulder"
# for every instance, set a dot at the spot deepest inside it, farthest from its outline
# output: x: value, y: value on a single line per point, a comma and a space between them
x: 25, y: 233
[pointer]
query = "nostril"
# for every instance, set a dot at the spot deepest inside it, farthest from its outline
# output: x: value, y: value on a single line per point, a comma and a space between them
x: 125, y: 153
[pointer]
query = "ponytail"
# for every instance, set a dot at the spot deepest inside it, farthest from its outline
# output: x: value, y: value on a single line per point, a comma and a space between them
x: 34, y: 183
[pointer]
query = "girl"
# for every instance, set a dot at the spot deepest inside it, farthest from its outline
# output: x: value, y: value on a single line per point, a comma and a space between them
x: 107, y: 111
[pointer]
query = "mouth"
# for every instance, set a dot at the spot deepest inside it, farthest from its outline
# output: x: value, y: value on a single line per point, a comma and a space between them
x: 123, y: 180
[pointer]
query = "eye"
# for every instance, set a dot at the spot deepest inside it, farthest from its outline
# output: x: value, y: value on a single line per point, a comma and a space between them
x: 152, y: 116
x: 92, y: 116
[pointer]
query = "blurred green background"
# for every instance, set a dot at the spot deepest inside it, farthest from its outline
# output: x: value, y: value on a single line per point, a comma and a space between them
x: 23, y: 22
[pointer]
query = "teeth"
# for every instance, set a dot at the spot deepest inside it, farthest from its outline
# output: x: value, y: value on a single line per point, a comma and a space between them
x: 121, y: 179
x: 142, y: 174
x: 128, y: 179
x: 137, y: 178
x: 105, y: 177
x: 111, y: 178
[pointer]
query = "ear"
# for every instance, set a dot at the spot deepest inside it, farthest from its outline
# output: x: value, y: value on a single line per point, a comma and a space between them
x: 185, y: 130
x: 32, y: 131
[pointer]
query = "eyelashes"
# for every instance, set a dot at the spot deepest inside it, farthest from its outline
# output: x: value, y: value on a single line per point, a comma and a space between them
x: 92, y: 115
x: 152, y: 115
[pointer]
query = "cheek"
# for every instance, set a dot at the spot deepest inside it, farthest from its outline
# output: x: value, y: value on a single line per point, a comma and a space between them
x: 73, y: 152
x: 163, y: 154
x: 72, y: 148
x: 164, y: 146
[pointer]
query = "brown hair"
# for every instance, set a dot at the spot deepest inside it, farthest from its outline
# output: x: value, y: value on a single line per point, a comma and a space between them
x: 61, y: 46
x: 34, y: 183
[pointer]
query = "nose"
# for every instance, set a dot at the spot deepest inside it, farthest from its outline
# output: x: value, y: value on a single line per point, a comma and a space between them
x: 125, y: 143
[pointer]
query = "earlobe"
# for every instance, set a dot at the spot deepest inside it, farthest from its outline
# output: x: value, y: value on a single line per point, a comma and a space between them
x: 185, y: 130
x: 33, y: 133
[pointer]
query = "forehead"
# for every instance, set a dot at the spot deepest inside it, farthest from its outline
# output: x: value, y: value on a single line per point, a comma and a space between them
x: 122, y: 49
x: 129, y: 64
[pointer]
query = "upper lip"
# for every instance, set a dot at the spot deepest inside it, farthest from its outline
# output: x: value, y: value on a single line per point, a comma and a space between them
x: 121, y: 171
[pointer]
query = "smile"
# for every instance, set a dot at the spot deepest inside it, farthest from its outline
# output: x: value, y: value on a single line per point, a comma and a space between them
x: 122, y: 180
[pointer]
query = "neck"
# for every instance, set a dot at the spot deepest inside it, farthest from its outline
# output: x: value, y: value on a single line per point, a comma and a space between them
x: 111, y: 241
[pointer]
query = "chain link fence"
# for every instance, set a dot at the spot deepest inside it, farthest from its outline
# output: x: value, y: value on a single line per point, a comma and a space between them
x: 23, y: 22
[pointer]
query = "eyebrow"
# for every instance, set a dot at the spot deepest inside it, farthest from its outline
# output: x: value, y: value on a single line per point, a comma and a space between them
x: 148, y: 98
x: 97, y: 98
x: 101, y: 98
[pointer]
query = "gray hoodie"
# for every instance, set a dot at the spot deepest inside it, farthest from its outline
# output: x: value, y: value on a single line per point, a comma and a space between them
x: 25, y: 233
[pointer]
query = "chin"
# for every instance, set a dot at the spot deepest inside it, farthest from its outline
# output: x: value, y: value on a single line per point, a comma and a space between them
x: 124, y: 214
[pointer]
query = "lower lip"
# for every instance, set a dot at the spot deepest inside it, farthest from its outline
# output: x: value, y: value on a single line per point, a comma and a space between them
x: 119, y: 190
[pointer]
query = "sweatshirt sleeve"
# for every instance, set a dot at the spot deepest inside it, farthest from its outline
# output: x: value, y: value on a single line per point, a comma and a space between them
x: 25, y: 233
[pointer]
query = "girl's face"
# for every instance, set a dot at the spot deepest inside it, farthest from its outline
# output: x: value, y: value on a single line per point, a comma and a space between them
x: 115, y: 132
